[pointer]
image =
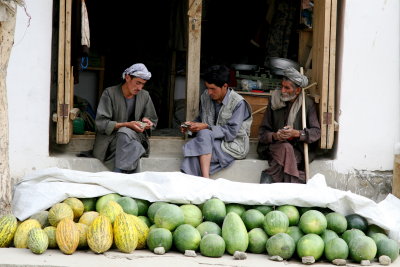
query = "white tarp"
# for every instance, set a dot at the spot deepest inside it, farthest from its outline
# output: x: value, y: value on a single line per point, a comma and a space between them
x: 42, y: 189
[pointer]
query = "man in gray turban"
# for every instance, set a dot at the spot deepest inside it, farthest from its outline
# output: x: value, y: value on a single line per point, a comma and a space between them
x: 125, y: 115
x: 281, y: 135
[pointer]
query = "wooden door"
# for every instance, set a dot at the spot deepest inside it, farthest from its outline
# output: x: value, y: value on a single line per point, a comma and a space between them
x: 323, y: 69
x: 65, y: 78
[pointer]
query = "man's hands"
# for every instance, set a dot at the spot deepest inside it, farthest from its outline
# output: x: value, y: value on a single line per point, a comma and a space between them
x: 139, y: 126
x: 194, y: 127
x: 286, y: 133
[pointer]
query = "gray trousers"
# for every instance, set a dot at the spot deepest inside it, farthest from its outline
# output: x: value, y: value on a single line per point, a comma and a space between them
x: 126, y: 150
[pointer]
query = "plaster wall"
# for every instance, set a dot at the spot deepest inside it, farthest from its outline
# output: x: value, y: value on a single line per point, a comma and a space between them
x: 28, y: 88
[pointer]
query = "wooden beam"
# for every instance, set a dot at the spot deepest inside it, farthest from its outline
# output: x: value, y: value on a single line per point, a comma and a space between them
x: 68, y: 98
x: 193, y: 59
x: 61, y: 72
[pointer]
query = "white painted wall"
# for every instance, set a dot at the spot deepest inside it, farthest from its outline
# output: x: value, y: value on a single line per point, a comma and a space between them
x: 28, y: 84
x: 369, y: 86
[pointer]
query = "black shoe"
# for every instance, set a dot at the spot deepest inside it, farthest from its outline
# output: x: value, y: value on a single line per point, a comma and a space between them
x: 266, y: 178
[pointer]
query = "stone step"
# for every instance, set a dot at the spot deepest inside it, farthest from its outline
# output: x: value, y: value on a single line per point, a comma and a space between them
x: 165, y: 156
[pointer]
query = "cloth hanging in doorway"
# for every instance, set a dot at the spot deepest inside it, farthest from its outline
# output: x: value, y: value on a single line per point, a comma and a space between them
x: 282, y: 28
x: 85, y: 30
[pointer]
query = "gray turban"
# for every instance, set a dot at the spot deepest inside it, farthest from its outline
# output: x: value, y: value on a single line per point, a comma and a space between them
x: 138, y: 70
x: 296, y: 77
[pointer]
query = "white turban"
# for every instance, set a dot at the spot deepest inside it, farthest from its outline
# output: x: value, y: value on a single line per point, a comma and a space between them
x: 138, y: 70
x: 296, y: 77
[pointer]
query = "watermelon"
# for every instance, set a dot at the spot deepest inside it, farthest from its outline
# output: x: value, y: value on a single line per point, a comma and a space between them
x: 214, y: 210
x: 263, y: 208
x: 328, y: 235
x: 51, y: 234
x: 151, y: 211
x: 129, y: 205
x: 310, y: 245
x: 212, y: 245
x: 89, y: 204
x: 336, y: 222
x: 291, y: 212
x: 336, y: 248
x: 101, y: 201
x: 143, y: 206
x: 349, y: 235
x: 362, y: 248
x: 313, y: 222
x: 357, y: 222
x: 234, y: 233
x: 238, y: 208
x: 388, y: 247
x: 378, y: 237
x: 295, y: 233
x: 111, y: 210
x: 275, y: 222
x: 159, y: 237
x: 192, y: 214
x: 281, y: 245
x: 169, y: 217
x: 373, y: 229
x: 186, y: 237
x: 207, y: 227
x: 257, y: 241
x: 252, y: 218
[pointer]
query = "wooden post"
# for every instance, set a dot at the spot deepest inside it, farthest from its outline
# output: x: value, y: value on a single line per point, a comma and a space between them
x: 7, y: 29
x: 304, y: 122
x: 193, y: 59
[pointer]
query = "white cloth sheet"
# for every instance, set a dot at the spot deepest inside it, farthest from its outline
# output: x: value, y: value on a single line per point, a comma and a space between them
x: 41, y: 189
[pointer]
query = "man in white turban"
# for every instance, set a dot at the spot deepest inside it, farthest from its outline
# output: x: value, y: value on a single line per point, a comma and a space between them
x: 125, y: 115
x: 281, y: 135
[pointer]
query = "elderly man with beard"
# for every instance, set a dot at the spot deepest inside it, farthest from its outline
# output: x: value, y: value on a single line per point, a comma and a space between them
x: 281, y: 135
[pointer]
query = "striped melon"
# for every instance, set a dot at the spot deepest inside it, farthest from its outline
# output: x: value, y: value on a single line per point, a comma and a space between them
x: 67, y: 236
x: 58, y: 212
x: 51, y: 234
x: 82, y: 228
x: 8, y: 226
x: 111, y: 209
x: 125, y: 233
x: 88, y: 217
x: 100, y: 234
x: 37, y: 240
x: 76, y: 206
x: 142, y: 231
x: 21, y: 235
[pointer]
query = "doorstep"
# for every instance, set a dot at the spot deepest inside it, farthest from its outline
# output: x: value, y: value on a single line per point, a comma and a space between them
x: 165, y: 156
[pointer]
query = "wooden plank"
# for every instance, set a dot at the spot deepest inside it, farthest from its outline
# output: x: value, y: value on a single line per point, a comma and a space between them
x: 193, y: 59
x: 321, y: 41
x: 60, y: 77
x: 396, y: 176
x: 68, y: 98
x: 332, y: 71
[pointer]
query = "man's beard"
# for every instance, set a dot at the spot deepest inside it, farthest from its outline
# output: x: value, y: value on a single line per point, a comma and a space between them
x: 288, y: 97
